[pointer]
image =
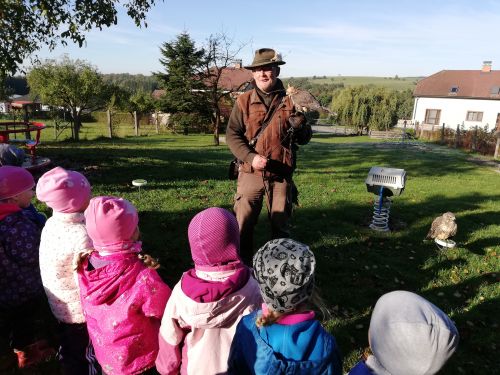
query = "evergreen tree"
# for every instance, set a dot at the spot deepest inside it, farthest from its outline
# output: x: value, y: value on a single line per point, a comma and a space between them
x: 183, y: 78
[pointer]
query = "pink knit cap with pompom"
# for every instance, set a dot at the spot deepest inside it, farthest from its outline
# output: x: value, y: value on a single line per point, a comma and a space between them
x: 63, y: 191
x: 14, y: 181
x: 214, y: 238
x: 111, y: 223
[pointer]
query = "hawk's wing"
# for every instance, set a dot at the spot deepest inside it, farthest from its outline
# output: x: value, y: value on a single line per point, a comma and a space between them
x: 305, y: 101
x: 435, y: 228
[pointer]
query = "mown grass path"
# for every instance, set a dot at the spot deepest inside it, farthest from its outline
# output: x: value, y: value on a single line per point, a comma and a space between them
x: 355, y: 265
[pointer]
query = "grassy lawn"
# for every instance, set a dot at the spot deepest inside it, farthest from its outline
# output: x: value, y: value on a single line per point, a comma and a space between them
x: 355, y: 265
x: 402, y: 83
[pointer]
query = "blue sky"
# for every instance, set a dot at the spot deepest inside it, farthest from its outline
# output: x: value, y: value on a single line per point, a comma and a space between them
x: 315, y: 37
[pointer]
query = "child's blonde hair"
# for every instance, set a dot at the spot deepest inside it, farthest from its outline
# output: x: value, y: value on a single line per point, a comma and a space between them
x: 315, y: 303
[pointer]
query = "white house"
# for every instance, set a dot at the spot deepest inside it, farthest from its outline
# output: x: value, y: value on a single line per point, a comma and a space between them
x: 459, y: 97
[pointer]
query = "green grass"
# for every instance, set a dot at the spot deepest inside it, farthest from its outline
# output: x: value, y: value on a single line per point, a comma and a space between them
x: 355, y: 265
x: 401, y: 83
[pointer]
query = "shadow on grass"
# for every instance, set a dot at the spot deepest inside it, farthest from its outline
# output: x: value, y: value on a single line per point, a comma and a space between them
x: 355, y: 265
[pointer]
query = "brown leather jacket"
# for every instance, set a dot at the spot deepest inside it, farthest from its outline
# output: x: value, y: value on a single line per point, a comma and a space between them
x: 276, y: 142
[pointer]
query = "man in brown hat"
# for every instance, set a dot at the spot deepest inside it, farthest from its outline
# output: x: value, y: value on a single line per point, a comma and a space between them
x: 263, y: 132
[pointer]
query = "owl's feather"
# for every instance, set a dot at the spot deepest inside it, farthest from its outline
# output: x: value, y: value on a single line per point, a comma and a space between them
x: 443, y: 227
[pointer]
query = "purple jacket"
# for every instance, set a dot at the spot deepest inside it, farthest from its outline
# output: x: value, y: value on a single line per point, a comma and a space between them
x: 123, y: 302
x: 20, y: 280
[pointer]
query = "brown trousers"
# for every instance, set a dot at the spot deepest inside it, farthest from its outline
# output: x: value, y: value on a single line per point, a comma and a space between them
x: 250, y: 193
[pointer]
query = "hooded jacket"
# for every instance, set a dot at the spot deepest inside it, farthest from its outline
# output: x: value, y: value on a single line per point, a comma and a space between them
x: 63, y: 238
x: 123, y: 302
x: 300, y: 347
x: 408, y: 335
x: 200, y: 320
x: 19, y: 269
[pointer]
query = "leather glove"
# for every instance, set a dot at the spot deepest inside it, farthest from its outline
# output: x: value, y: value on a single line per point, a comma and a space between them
x: 297, y: 120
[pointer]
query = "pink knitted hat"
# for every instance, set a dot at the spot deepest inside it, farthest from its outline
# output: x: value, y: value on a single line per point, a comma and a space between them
x: 62, y: 190
x: 110, y: 223
x: 14, y: 180
x: 214, y: 238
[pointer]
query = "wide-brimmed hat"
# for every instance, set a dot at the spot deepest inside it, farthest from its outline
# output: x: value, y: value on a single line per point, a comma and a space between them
x: 266, y: 56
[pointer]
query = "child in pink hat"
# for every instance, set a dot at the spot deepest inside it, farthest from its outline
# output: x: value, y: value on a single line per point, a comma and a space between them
x: 208, y: 302
x: 64, y: 238
x: 21, y: 291
x: 123, y: 297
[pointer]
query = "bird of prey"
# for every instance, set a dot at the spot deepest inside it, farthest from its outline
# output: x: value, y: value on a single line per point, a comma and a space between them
x: 443, y: 227
x: 304, y: 101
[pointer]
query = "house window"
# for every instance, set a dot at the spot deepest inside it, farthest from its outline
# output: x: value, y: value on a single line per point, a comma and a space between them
x: 432, y: 116
x: 495, y: 90
x: 474, y: 116
x: 453, y: 90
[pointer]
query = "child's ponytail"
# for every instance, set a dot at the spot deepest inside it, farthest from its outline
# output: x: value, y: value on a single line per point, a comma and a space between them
x: 149, y: 261
x: 268, y: 319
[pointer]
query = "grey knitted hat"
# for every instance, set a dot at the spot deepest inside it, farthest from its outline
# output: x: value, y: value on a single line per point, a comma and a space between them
x: 409, y: 335
x: 284, y: 269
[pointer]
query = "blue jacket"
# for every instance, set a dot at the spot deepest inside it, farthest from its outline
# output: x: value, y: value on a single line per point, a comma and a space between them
x: 302, y: 348
x: 38, y: 218
x: 361, y: 369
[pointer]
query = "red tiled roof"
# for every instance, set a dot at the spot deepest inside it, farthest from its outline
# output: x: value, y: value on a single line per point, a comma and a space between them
x: 233, y: 79
x: 157, y: 94
x: 468, y: 83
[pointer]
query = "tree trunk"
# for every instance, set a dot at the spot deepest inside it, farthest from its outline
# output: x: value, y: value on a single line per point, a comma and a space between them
x: 110, y: 125
x: 216, y: 127
x: 76, y: 125
x: 474, y: 140
x: 157, y: 123
x: 136, y: 124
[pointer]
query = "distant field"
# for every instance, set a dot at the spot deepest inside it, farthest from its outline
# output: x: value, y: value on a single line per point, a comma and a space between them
x: 401, y: 83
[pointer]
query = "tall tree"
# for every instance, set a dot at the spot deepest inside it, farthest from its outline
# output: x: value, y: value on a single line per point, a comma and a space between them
x: 75, y: 85
x: 182, y: 80
x: 27, y: 25
x: 220, y: 53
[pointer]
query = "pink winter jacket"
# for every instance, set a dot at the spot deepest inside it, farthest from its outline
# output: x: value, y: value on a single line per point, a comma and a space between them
x: 200, y: 321
x: 123, y: 302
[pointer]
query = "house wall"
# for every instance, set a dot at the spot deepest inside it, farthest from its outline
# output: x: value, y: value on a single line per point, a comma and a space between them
x: 4, y: 107
x: 454, y: 111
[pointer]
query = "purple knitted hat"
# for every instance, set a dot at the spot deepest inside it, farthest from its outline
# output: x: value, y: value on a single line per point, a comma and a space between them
x: 214, y: 237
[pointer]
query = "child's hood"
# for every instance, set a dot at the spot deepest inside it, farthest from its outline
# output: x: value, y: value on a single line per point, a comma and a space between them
x: 409, y: 335
x: 106, y: 284
x: 219, y: 313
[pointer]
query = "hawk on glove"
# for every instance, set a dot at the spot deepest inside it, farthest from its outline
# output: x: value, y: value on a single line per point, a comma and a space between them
x: 304, y: 101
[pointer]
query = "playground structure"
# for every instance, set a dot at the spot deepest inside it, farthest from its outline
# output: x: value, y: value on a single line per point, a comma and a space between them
x: 20, y: 133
